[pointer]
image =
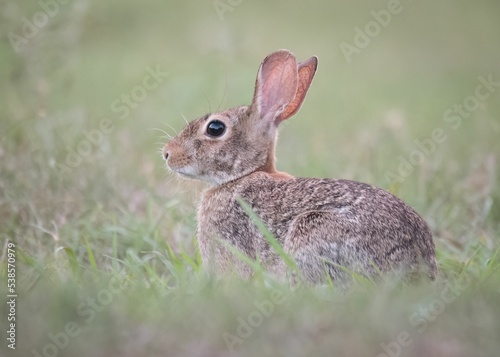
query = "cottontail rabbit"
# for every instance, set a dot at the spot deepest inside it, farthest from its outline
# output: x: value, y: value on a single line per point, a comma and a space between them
x: 327, y: 226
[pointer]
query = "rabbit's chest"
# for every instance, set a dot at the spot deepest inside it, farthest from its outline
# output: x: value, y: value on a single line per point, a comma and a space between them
x: 222, y: 221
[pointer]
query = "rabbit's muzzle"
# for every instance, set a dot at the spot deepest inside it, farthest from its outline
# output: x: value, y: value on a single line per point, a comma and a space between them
x: 179, y: 161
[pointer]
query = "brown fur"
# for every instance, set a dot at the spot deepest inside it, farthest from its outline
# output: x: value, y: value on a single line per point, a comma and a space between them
x: 328, y: 226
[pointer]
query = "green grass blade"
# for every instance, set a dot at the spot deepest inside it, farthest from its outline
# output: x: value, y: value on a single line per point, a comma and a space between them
x: 73, y: 261
x: 92, y: 261
x: 187, y: 259
x: 268, y: 235
x: 254, y: 264
x: 355, y: 276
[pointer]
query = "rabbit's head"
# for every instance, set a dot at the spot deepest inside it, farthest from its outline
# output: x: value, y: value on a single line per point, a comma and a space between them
x: 221, y: 147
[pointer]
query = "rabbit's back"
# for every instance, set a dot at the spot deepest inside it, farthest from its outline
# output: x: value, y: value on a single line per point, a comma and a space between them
x: 347, y: 223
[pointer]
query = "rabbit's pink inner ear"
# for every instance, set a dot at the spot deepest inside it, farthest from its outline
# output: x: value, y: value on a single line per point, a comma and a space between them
x: 276, y: 83
x: 306, y: 71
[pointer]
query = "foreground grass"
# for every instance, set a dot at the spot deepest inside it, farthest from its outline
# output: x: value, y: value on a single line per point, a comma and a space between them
x: 106, y: 256
x: 159, y: 303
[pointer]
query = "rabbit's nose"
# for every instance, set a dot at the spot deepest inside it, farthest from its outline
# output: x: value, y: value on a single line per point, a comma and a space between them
x: 166, y: 154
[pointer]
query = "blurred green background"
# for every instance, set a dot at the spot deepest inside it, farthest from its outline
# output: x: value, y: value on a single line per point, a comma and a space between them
x: 81, y: 213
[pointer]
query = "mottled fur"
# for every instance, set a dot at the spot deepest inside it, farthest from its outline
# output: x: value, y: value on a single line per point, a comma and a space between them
x: 328, y: 226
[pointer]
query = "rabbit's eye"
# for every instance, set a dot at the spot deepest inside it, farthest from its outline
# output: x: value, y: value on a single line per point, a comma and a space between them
x: 216, y: 128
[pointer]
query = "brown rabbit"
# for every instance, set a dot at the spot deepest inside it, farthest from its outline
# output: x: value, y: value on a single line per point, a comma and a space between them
x: 329, y: 227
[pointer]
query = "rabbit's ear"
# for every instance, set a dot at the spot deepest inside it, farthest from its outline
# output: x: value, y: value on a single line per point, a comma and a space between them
x: 306, y: 71
x: 276, y: 84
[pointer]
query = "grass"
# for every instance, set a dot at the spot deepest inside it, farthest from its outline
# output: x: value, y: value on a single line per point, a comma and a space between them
x: 106, y: 253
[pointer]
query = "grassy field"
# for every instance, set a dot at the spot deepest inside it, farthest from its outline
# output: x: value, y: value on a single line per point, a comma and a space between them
x: 406, y: 97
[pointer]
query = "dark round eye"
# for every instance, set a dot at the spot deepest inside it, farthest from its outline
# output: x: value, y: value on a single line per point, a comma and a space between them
x: 216, y: 128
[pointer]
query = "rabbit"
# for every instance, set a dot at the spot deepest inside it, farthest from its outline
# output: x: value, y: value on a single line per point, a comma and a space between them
x: 331, y: 228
